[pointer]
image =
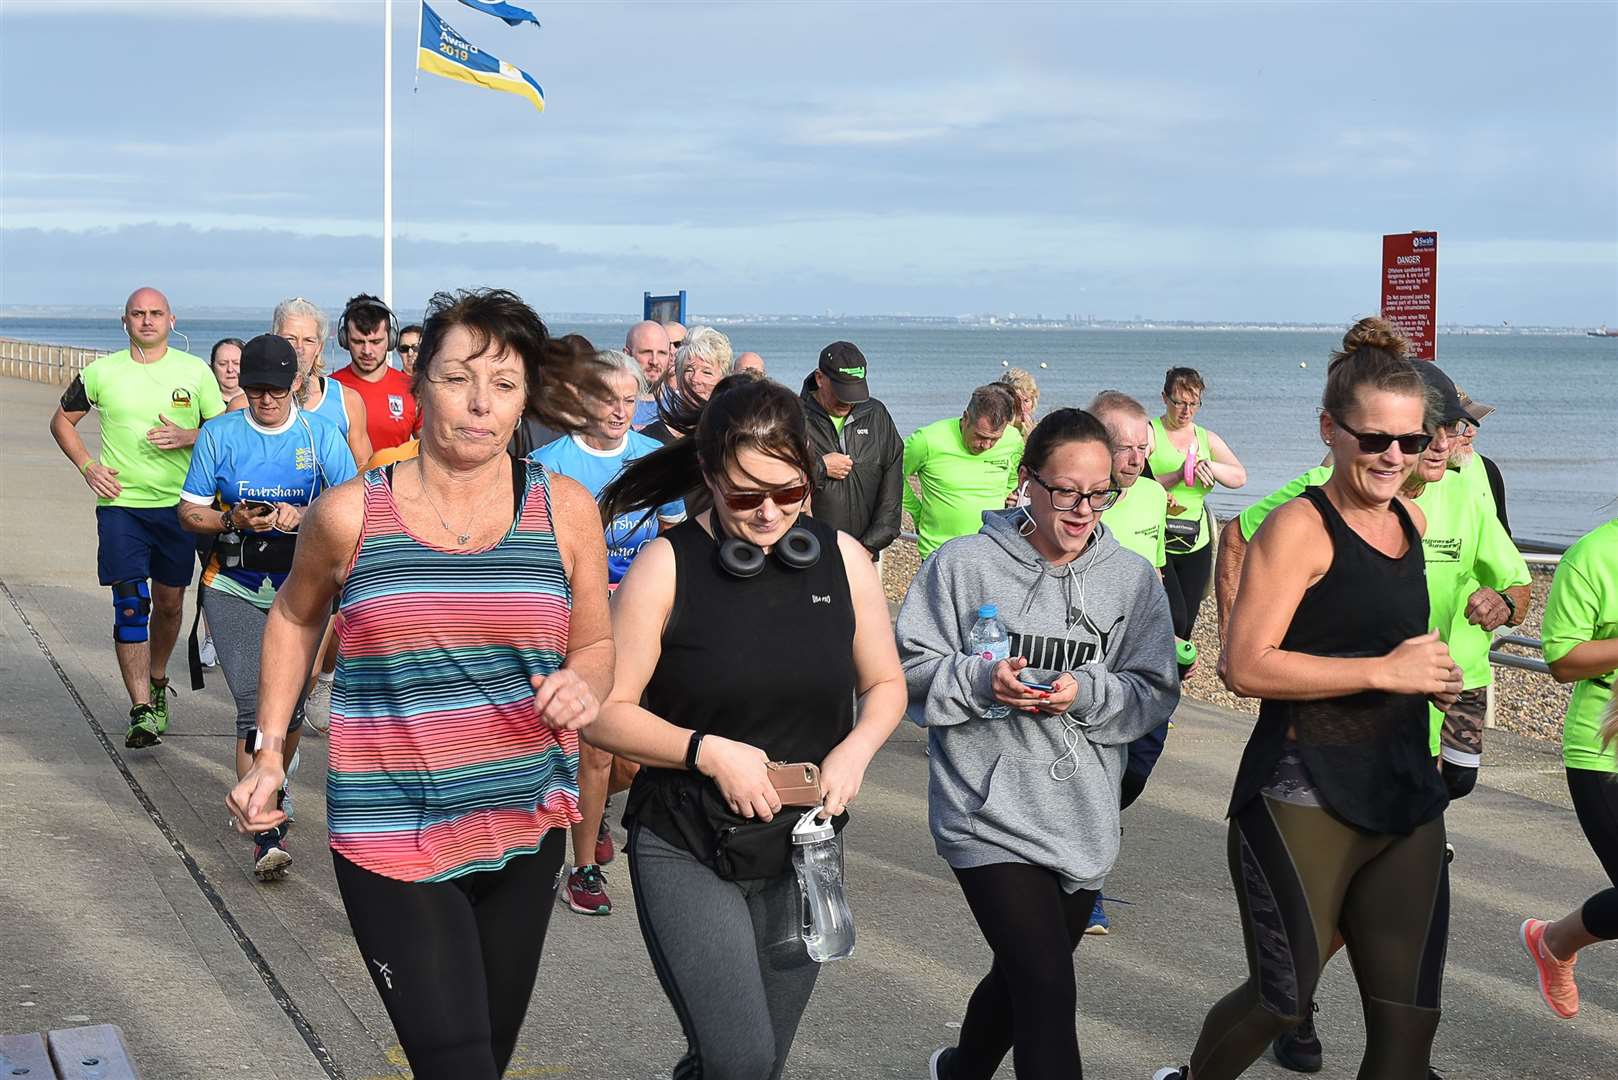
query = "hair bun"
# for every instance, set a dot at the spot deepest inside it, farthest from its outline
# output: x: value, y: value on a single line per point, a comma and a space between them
x: 1376, y: 333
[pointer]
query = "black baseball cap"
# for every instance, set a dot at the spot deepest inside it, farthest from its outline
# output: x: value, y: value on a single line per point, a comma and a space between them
x: 1450, y: 411
x: 844, y: 364
x: 268, y: 360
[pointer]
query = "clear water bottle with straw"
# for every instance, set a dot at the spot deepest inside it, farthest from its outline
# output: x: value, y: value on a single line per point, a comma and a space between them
x: 828, y: 925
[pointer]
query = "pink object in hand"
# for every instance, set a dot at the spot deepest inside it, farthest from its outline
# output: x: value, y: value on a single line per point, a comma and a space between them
x: 1190, y: 472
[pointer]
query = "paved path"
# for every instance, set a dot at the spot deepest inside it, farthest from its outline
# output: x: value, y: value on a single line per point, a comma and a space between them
x: 126, y: 898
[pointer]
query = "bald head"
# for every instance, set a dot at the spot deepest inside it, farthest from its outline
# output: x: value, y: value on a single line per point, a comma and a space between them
x: 648, y: 343
x: 676, y: 333
x: 148, y: 320
x: 1127, y: 431
x: 750, y: 361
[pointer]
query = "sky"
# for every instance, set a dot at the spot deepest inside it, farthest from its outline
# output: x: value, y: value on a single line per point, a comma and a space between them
x: 1205, y: 161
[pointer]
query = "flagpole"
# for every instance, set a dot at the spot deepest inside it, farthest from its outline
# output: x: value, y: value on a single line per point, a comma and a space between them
x: 387, y: 152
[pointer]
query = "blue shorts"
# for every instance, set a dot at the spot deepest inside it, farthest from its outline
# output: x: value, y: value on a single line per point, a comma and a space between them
x: 140, y: 542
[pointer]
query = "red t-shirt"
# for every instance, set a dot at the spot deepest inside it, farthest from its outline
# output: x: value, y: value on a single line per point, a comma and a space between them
x: 390, y: 407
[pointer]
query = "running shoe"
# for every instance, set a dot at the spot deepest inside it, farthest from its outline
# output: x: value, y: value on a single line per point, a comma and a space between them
x: 160, y: 704
x: 317, y: 706
x: 1172, y: 1074
x: 143, y: 730
x: 1556, y: 983
x: 1100, y: 925
x: 284, y: 797
x: 935, y: 1064
x: 207, y: 653
x: 270, y: 855
x: 604, y: 850
x: 1299, y: 1049
x: 587, y: 891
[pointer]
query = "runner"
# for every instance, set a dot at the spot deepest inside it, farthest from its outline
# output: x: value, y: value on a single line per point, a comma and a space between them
x: 369, y: 332
x: 965, y: 465
x: 1337, y: 815
x: 409, y: 347
x: 151, y: 400
x: 1580, y: 631
x: 594, y: 457
x: 252, y: 478
x: 1026, y: 390
x: 225, y: 359
x: 304, y: 326
x: 744, y: 635
x: 1174, y: 436
x: 1025, y: 808
x: 454, y: 742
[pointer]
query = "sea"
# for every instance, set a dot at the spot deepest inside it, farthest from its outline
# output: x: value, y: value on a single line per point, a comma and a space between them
x: 1554, y: 434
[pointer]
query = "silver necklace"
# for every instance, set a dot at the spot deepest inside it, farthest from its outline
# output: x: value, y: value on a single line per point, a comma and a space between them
x: 460, y: 538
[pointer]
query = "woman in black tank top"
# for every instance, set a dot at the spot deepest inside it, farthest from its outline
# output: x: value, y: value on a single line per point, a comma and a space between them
x: 744, y: 636
x: 1336, y: 821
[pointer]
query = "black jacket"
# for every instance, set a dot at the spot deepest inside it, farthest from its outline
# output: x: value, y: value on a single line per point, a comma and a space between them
x: 866, y: 502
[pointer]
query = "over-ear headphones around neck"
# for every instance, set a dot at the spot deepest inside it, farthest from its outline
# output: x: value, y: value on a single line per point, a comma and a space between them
x: 359, y: 303
x: 799, y: 549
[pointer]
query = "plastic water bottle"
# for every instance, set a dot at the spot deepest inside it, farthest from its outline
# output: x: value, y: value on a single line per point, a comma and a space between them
x: 828, y: 925
x: 989, y: 640
x: 1185, y: 654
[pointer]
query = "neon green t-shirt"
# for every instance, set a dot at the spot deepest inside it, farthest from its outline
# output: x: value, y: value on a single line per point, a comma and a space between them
x: 837, y: 422
x: 1136, y: 519
x: 1583, y: 606
x: 1169, y: 460
x: 956, y: 484
x: 130, y: 397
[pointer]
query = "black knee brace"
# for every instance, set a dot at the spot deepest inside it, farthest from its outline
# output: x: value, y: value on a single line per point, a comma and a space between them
x: 1460, y: 779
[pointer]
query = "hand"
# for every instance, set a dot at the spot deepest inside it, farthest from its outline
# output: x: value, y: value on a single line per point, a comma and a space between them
x: 563, y: 701
x: 741, y: 773
x: 287, y: 517
x: 1487, y: 609
x: 838, y: 466
x: 1064, y: 692
x: 1175, y: 507
x: 841, y: 775
x: 168, y: 435
x: 244, y: 518
x: 252, y: 801
x: 1444, y: 701
x: 1204, y: 473
x: 1421, y: 665
x: 1010, y: 690
x: 103, y: 481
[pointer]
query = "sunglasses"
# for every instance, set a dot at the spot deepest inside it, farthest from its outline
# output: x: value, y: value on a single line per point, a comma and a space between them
x: 752, y: 500
x: 408, y: 348
x: 1377, y: 443
x: 1069, y: 499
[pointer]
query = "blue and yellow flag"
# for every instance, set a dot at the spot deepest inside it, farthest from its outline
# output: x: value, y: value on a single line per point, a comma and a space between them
x: 444, y: 52
x: 511, y: 13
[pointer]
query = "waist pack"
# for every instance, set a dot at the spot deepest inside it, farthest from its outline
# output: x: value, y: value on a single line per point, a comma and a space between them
x: 690, y: 811
x: 263, y: 553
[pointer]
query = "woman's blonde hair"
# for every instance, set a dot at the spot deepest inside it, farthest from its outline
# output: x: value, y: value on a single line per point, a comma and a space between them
x: 1023, y: 385
x: 1609, y: 726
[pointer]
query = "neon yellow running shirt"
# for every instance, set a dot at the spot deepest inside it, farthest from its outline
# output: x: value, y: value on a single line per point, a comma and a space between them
x: 956, y: 484
x: 130, y: 397
x: 1169, y: 460
x: 1583, y: 606
x: 1136, y: 519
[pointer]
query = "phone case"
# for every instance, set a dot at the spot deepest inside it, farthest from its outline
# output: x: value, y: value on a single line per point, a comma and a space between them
x: 797, y: 783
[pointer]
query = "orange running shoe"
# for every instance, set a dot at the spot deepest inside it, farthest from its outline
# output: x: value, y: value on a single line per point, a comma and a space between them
x: 1556, y: 983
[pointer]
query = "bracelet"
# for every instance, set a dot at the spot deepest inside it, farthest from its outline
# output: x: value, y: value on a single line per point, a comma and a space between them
x: 692, y: 749
x: 85, y: 471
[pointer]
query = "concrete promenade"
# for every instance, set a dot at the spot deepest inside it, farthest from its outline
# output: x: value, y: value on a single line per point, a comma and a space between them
x: 126, y: 898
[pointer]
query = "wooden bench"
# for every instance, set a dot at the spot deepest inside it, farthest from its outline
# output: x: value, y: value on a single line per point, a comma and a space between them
x: 96, y: 1052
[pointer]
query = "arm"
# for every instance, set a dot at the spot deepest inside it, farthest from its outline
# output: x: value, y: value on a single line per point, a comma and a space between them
x: 1587, y: 660
x: 946, y: 684
x: 292, y: 633
x: 1500, y: 570
x: 65, y: 430
x: 640, y: 609
x: 1225, y: 466
x: 359, y: 440
x: 915, y: 457
x: 570, y: 698
x: 881, y: 684
x: 884, y: 527
x: 1228, y: 573
x: 1572, y: 619
x: 1123, y: 696
x: 1291, y: 551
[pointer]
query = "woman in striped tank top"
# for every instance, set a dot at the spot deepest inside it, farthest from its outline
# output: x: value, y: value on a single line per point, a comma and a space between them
x: 474, y: 645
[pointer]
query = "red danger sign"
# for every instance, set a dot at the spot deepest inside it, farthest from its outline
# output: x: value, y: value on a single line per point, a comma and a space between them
x: 1410, y: 289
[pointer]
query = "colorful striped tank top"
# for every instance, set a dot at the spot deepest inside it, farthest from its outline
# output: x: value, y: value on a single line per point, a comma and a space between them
x: 439, y: 766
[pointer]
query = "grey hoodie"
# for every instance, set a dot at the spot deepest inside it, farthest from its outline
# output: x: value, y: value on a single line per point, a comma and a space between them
x: 1034, y: 788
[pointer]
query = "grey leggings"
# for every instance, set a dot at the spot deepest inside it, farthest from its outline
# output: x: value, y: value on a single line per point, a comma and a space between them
x: 730, y: 957
x: 1300, y: 876
x: 237, y: 627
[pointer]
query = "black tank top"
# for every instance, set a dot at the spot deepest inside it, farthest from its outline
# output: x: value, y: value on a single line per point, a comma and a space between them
x: 1368, y: 754
x: 767, y: 660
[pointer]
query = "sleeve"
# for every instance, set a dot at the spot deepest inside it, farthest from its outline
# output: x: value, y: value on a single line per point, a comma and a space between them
x: 1254, y: 515
x: 91, y: 377
x: 915, y: 456
x: 1124, y: 696
x: 673, y: 512
x: 1499, y: 564
x: 201, y: 483
x: 1162, y: 559
x: 210, y: 403
x: 336, y: 460
x: 947, y: 686
x: 884, y: 527
x: 1571, y: 612
x: 1012, y: 480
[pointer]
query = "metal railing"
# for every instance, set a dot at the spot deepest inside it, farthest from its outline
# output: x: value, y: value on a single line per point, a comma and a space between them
x: 44, y: 363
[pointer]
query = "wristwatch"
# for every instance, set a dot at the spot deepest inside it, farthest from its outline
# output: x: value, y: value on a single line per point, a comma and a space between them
x: 1511, y: 609
x: 224, y: 520
x: 692, y: 749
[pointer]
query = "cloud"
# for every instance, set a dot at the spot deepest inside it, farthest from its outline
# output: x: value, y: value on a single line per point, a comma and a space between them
x: 278, y: 10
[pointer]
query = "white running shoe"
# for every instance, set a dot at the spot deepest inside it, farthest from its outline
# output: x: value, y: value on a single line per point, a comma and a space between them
x: 317, y: 706
x: 207, y: 653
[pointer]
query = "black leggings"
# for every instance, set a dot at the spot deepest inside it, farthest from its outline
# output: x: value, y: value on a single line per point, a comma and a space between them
x: 455, y: 960
x: 1595, y: 800
x: 1190, y: 576
x: 1026, y: 1003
